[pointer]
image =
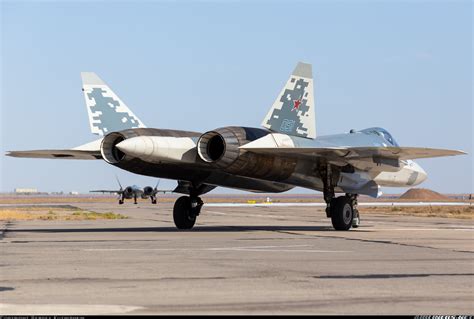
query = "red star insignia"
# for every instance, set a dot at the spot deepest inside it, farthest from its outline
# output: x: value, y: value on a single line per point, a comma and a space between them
x: 296, y: 104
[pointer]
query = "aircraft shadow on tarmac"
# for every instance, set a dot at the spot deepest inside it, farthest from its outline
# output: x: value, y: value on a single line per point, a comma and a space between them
x: 174, y: 230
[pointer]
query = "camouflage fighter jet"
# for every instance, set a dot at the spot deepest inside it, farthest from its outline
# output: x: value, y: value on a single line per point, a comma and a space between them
x: 135, y: 192
x: 285, y: 153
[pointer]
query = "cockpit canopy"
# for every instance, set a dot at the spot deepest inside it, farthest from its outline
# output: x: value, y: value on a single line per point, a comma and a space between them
x: 381, y: 132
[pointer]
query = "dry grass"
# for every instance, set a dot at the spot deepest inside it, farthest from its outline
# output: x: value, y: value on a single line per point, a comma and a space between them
x: 462, y: 212
x: 45, y: 213
x: 55, y: 200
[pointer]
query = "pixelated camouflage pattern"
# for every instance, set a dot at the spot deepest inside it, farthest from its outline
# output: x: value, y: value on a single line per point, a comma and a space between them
x: 106, y: 114
x: 293, y: 111
x: 287, y: 120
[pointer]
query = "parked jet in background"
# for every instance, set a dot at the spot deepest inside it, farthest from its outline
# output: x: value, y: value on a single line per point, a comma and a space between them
x: 283, y: 154
x: 135, y: 192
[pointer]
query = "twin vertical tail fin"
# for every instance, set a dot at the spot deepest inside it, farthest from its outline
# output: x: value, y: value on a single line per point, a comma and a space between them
x: 107, y: 112
x: 293, y: 112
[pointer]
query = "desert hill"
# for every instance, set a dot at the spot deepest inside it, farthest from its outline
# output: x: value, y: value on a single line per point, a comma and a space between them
x: 422, y: 194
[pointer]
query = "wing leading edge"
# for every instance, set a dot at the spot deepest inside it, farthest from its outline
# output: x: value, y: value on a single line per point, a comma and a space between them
x: 351, y: 153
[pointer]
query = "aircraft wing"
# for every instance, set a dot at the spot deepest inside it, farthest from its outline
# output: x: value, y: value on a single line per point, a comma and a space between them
x: 106, y: 191
x: 89, y: 151
x: 164, y: 191
x: 354, y: 153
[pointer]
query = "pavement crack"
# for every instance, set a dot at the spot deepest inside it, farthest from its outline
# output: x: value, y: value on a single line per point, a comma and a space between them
x: 387, y: 242
x: 388, y: 276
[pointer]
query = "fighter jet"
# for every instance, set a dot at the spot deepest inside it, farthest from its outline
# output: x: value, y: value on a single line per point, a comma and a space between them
x: 283, y: 154
x: 134, y: 192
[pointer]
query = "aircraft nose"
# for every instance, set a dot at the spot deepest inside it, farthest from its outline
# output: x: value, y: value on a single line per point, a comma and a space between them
x: 422, y: 175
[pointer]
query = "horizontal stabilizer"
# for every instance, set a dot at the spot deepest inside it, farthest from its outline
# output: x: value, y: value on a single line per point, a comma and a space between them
x: 89, y: 151
x: 61, y: 154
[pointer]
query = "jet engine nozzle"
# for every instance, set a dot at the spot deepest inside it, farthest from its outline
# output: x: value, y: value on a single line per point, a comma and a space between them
x: 220, y: 146
x: 128, y: 191
x: 108, y: 149
x: 148, y: 190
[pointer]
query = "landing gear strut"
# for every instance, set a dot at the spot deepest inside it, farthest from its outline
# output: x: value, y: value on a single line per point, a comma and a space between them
x: 185, y: 211
x: 356, y: 217
x: 343, y: 209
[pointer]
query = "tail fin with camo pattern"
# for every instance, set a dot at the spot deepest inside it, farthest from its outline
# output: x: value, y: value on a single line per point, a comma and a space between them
x: 293, y: 111
x: 107, y: 112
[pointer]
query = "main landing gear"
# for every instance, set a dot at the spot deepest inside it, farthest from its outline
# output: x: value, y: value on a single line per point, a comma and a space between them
x: 343, y: 212
x: 185, y: 211
x: 343, y: 209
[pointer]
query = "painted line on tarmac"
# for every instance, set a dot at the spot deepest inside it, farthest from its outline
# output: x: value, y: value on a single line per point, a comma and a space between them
x: 246, y: 248
x: 382, y: 204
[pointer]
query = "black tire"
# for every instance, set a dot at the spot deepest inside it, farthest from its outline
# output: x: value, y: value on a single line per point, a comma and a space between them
x: 182, y: 213
x: 342, y: 213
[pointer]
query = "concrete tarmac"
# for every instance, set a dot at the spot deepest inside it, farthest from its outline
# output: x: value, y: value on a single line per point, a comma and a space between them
x: 237, y: 260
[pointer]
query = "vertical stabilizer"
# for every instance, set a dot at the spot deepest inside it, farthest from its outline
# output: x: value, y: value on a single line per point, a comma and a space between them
x: 107, y: 112
x: 293, y: 111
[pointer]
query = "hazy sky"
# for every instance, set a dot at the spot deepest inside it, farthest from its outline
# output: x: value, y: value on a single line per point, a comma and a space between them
x: 404, y: 66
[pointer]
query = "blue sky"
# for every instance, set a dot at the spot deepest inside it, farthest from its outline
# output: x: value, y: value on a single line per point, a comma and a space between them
x: 404, y: 66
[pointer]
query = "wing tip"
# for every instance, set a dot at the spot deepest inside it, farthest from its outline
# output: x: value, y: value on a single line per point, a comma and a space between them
x: 11, y: 153
x: 459, y: 152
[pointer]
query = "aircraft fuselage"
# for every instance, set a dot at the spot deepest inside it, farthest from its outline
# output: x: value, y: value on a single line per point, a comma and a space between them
x: 147, y: 152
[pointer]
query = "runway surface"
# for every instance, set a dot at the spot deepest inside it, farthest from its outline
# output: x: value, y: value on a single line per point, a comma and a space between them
x: 259, y: 260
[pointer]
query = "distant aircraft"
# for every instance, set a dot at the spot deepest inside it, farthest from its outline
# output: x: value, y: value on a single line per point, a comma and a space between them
x: 135, y: 192
x: 283, y: 154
